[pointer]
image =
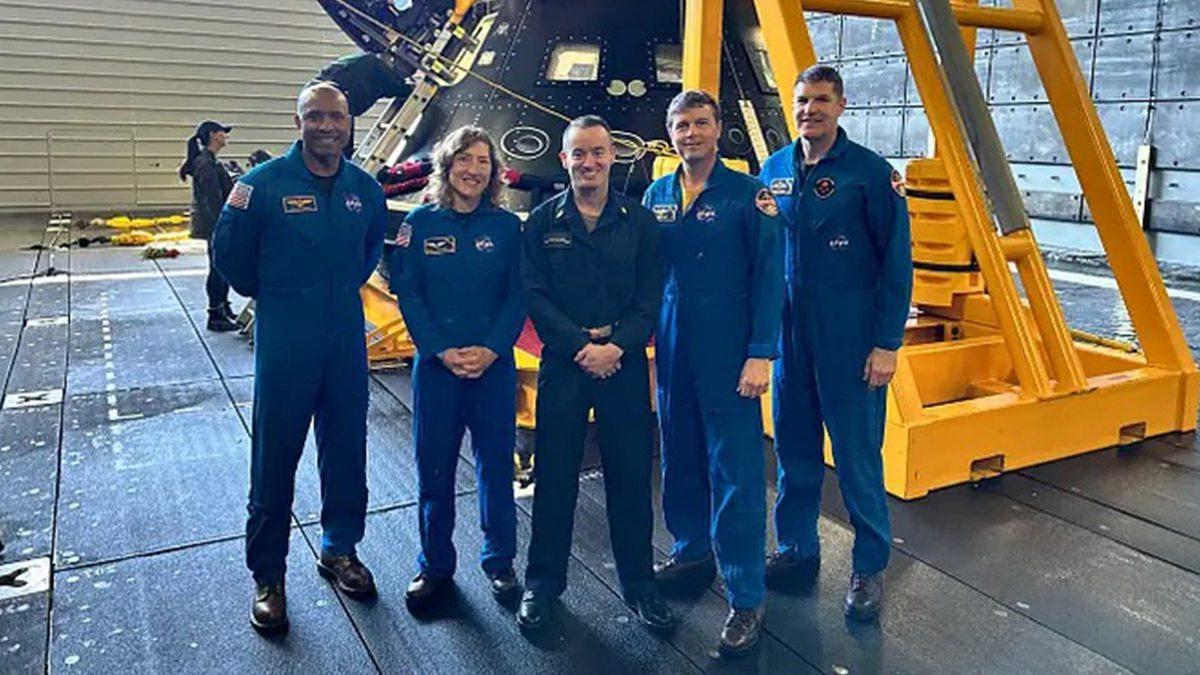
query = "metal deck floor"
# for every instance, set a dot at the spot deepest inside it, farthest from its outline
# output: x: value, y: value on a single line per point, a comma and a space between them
x: 123, y: 483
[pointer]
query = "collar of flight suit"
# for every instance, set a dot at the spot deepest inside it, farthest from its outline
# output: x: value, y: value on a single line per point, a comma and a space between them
x: 720, y: 176
x: 295, y: 156
x: 566, y: 211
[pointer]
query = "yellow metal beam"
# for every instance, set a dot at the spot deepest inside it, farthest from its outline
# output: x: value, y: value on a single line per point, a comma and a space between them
x: 789, y: 48
x: 1125, y: 244
x: 968, y: 190
x: 702, y: 40
x: 1019, y: 20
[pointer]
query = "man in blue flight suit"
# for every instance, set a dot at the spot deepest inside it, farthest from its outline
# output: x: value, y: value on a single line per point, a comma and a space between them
x: 300, y: 234
x: 593, y: 284
x: 455, y: 272
x: 717, y: 334
x: 849, y: 273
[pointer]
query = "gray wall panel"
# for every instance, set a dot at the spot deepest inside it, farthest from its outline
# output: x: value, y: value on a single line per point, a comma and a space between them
x: 1122, y: 67
x: 97, y: 98
x: 1179, y: 65
x: 1175, y: 126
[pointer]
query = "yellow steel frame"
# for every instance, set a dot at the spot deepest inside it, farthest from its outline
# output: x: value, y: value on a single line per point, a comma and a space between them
x: 996, y: 382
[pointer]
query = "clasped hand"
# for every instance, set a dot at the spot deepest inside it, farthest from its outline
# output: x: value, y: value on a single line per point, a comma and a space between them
x: 468, y: 362
x: 600, y: 361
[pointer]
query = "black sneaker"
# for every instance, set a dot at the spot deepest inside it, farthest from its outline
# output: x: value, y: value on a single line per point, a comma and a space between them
x: 219, y: 323
x: 864, y: 598
x: 741, y: 631
x: 788, y: 571
x: 653, y: 612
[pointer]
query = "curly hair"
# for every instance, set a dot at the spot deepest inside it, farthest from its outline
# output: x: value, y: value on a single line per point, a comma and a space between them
x: 439, y: 190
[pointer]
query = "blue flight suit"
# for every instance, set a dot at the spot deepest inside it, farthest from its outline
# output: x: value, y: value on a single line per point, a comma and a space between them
x: 456, y: 276
x: 609, y: 279
x: 301, y: 247
x: 849, y: 274
x: 721, y: 305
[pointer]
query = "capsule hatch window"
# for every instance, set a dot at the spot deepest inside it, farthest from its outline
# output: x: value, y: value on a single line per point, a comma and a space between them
x: 574, y: 62
x: 668, y: 63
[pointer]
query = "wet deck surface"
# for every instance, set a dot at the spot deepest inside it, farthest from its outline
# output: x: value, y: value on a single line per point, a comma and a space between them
x: 125, y: 484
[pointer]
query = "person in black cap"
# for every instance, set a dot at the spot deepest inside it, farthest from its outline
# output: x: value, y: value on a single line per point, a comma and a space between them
x: 211, y: 184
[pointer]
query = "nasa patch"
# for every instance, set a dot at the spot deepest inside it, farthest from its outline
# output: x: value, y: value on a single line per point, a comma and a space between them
x: 839, y: 243
x: 765, y: 203
x: 706, y: 213
x: 353, y: 203
x: 824, y: 187
x: 666, y: 213
x: 484, y: 244
x: 781, y: 187
x: 898, y: 183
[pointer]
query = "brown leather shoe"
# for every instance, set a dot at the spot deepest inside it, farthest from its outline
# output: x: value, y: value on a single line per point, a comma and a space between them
x: 269, y: 613
x: 741, y: 631
x: 349, y: 575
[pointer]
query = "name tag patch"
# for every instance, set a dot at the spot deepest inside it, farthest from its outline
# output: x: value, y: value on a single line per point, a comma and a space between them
x: 299, y: 204
x: 446, y: 245
x: 781, y: 187
x: 666, y: 213
x: 557, y: 240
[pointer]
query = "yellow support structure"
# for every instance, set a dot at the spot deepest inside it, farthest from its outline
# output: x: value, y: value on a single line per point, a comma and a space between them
x: 702, y: 39
x: 989, y: 381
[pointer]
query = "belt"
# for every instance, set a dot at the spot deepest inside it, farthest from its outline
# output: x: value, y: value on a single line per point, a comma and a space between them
x: 599, y: 335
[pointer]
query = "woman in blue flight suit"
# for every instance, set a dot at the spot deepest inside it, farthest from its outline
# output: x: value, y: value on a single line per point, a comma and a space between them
x: 455, y: 273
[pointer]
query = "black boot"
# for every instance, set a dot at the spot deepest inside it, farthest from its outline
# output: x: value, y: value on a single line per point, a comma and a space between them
x: 653, y: 612
x: 787, y: 571
x: 864, y: 598
x: 535, y: 609
x: 218, y: 322
x: 741, y: 632
x: 227, y: 310
x: 423, y: 591
x: 681, y: 577
x: 504, y: 585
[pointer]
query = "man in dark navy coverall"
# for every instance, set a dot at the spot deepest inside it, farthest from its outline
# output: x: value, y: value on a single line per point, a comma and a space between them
x: 849, y: 274
x: 300, y: 234
x: 593, y: 283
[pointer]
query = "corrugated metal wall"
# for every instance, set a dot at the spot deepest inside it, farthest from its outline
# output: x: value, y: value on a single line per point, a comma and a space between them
x: 98, y: 97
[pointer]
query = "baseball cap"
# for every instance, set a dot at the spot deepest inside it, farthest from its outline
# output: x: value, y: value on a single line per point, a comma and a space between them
x: 208, y: 126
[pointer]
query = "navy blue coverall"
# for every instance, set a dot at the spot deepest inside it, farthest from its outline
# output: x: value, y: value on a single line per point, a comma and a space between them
x: 721, y: 305
x: 456, y: 276
x: 575, y: 280
x: 849, y: 274
x: 302, y: 247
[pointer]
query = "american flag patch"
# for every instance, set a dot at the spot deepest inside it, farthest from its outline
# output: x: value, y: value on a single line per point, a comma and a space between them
x: 239, y: 196
x: 404, y: 235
